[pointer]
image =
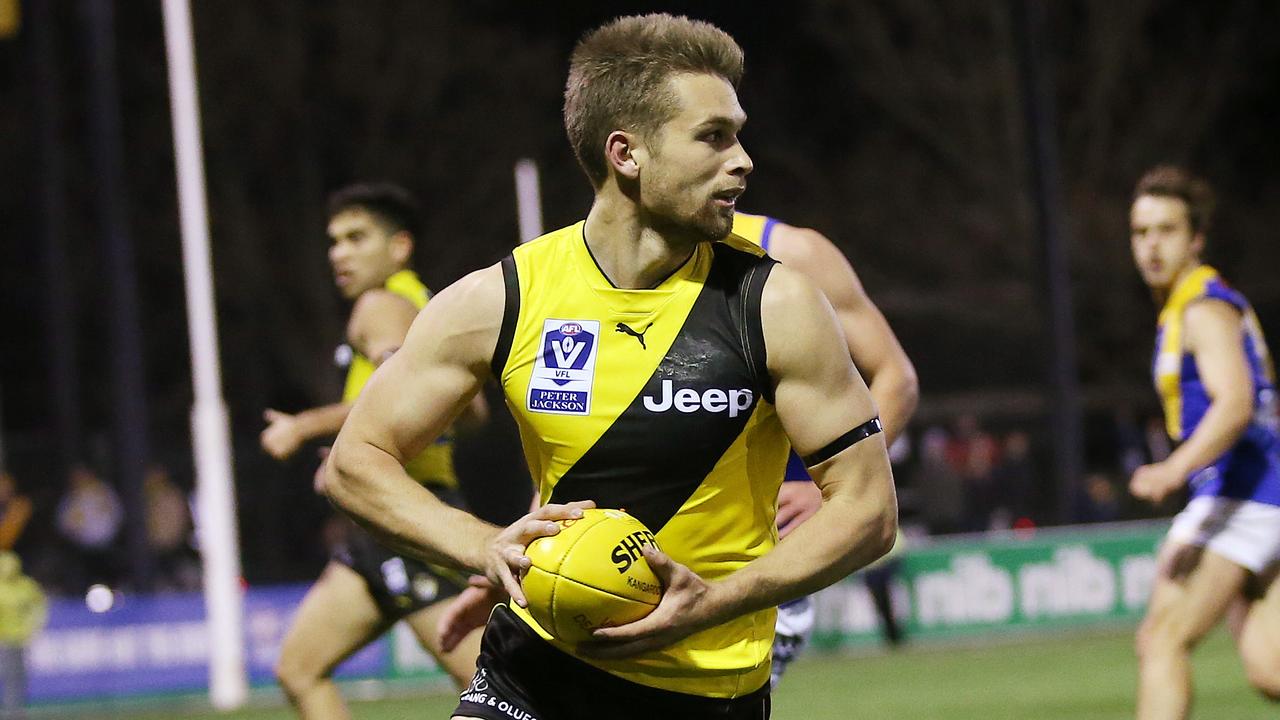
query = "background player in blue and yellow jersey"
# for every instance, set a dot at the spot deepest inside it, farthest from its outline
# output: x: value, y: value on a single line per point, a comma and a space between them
x: 1217, y: 384
x: 653, y: 362
x: 890, y: 376
x: 366, y: 588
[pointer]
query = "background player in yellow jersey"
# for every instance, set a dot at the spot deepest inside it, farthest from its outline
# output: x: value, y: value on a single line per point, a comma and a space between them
x: 891, y: 379
x: 688, y: 430
x: 365, y: 588
x: 1217, y: 384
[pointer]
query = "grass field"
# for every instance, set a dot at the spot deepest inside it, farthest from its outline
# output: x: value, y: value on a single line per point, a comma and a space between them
x: 1089, y: 677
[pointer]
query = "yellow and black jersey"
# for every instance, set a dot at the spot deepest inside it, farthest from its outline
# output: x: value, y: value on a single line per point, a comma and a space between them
x: 659, y: 402
x: 433, y: 466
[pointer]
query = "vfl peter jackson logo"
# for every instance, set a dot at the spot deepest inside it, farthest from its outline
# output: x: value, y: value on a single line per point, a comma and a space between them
x: 564, y: 367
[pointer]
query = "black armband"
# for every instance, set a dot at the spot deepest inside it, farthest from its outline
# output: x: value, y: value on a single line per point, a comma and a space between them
x: 845, y: 441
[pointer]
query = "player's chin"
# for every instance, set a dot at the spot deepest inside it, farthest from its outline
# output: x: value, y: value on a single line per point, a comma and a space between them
x: 716, y: 223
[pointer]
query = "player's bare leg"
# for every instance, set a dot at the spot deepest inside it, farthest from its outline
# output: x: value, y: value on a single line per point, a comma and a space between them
x: 1193, y: 590
x: 460, y: 662
x: 337, y: 618
x: 1255, y: 623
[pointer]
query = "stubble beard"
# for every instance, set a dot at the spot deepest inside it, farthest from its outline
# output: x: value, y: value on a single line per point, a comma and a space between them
x: 712, y: 225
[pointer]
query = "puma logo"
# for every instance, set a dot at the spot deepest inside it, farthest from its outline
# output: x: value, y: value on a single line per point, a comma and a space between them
x: 624, y: 328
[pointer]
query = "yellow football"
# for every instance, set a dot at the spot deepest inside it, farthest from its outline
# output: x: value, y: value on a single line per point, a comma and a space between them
x: 591, y: 575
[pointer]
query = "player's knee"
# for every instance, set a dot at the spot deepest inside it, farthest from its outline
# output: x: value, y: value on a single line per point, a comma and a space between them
x: 295, y: 677
x: 1160, y: 636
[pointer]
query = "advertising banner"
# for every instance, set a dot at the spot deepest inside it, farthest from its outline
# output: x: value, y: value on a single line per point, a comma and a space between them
x: 160, y: 645
x: 999, y: 583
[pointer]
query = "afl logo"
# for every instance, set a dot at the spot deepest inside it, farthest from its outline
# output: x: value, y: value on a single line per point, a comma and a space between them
x: 570, y: 328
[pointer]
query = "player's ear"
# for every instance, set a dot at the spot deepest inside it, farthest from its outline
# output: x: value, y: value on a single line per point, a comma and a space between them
x: 1197, y: 244
x: 401, y: 247
x: 624, y: 154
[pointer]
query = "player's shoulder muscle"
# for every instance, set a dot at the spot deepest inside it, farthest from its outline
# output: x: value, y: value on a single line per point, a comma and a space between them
x: 462, y: 321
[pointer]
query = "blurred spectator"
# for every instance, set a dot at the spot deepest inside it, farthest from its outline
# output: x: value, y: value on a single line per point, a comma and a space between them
x: 941, y: 499
x: 89, y: 516
x: 1013, y: 479
x: 15, y: 512
x: 23, y: 612
x: 168, y: 528
x: 972, y: 454
x: 1099, y: 500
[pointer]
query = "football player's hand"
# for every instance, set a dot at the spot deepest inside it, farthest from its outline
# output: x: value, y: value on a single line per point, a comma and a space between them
x: 507, y: 563
x: 797, y: 502
x: 281, y: 437
x: 685, y: 608
x: 467, y: 611
x: 1156, y: 481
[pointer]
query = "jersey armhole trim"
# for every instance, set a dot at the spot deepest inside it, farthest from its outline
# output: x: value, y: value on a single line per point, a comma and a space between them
x: 510, y: 314
x: 753, y: 327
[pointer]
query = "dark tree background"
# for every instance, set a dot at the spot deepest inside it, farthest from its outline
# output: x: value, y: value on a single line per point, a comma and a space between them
x: 895, y: 127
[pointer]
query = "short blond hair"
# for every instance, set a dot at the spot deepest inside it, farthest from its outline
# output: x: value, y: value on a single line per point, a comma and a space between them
x: 618, y: 78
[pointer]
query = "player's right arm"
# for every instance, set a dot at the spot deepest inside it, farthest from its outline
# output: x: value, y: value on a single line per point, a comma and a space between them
x: 286, y: 432
x: 377, y: 328
x: 407, y: 404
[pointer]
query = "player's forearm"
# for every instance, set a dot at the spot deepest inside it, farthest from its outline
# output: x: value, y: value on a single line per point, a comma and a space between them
x: 371, y: 486
x: 1221, y: 427
x: 896, y: 392
x: 323, y: 421
x: 850, y: 531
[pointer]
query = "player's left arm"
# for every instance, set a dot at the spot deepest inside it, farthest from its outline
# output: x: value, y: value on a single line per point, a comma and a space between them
x: 820, y: 399
x: 1214, y: 332
x: 874, y: 348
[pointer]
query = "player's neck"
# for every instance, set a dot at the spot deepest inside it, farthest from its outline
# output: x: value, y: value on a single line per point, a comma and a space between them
x: 1162, y: 294
x: 631, y: 254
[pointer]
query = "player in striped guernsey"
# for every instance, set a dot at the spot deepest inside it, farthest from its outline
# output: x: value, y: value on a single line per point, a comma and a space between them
x: 1216, y: 381
x: 653, y: 362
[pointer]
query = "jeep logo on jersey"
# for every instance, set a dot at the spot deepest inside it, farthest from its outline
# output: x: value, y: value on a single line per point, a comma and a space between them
x: 688, y: 400
x: 564, y: 367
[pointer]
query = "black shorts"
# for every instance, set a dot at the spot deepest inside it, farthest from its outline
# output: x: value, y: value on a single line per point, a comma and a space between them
x: 399, y: 585
x: 520, y: 676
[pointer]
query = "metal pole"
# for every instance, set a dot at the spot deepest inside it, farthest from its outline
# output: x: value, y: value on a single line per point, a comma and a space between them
x: 528, y: 200
x: 132, y: 449
x: 1046, y: 179
x: 211, y: 438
